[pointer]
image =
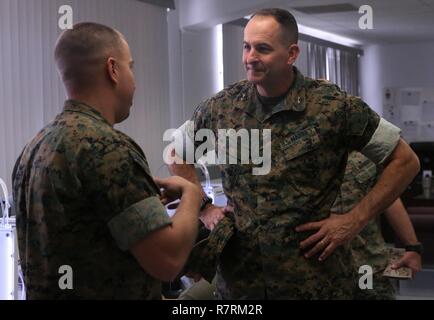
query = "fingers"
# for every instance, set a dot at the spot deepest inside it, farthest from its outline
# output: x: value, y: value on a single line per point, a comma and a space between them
x: 411, y: 260
x: 312, y: 240
x: 318, y: 247
x: 400, y: 263
x: 211, y: 216
x: 219, y: 215
x: 228, y: 209
x: 327, y: 247
x: 328, y: 251
x: 333, y: 231
x: 215, y: 219
x: 197, y: 277
x: 213, y: 210
x: 210, y: 225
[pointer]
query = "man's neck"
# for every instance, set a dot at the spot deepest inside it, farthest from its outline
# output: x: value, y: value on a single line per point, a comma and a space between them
x: 277, y: 89
x: 96, y: 103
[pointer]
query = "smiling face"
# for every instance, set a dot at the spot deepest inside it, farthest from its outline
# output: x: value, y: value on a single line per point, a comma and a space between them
x: 267, y: 55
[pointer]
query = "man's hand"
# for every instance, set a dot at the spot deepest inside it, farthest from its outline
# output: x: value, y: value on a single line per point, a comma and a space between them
x: 211, y: 215
x: 333, y: 232
x: 195, y: 276
x: 411, y: 260
x: 180, y: 168
x: 174, y: 187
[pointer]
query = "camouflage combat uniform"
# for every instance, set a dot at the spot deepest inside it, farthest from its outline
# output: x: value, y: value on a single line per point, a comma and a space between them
x: 368, y: 248
x: 313, y: 128
x: 84, y: 194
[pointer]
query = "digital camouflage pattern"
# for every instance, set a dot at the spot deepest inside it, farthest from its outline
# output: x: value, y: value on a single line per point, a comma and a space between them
x: 206, y: 252
x: 368, y: 247
x: 312, y: 131
x: 84, y: 194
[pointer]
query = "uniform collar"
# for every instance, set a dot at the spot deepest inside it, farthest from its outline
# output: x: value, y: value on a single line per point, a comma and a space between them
x: 81, y: 107
x: 295, y: 99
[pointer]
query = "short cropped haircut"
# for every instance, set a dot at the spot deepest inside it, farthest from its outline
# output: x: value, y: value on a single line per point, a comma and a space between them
x: 285, y: 19
x: 86, y: 46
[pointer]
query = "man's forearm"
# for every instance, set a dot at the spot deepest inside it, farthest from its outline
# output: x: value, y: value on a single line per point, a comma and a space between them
x: 186, y: 171
x: 163, y: 252
x: 400, y: 222
x: 186, y: 224
x: 396, y: 176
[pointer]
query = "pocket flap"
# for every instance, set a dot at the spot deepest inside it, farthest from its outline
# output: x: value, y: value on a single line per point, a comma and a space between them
x: 300, y: 142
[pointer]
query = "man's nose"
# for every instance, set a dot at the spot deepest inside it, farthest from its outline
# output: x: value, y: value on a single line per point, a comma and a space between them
x: 252, y: 57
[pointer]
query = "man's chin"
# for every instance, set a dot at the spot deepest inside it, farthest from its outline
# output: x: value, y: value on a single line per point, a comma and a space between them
x: 254, y: 80
x: 255, y: 77
x: 125, y: 116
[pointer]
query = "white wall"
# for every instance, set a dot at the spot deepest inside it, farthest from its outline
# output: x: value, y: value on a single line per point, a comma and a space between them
x: 31, y: 93
x: 199, y: 67
x: 395, y: 65
x: 193, y: 66
x: 234, y: 70
x: 175, y: 69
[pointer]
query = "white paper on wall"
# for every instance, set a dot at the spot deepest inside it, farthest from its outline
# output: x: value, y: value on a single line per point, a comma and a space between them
x: 427, y: 131
x: 390, y: 110
x: 428, y: 110
x: 410, y: 97
x: 410, y: 130
x: 410, y: 113
x: 427, y: 94
x: 391, y: 113
x: 411, y: 109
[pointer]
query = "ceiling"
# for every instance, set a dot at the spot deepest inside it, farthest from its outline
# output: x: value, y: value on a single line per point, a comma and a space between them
x: 394, y: 21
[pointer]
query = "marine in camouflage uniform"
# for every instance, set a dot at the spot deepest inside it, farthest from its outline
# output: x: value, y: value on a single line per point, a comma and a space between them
x: 313, y: 127
x: 368, y: 248
x: 84, y: 194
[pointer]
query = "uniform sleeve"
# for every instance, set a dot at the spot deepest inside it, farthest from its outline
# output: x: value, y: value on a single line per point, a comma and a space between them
x: 202, y: 116
x: 366, y: 132
x: 383, y: 142
x: 360, y: 176
x: 137, y: 221
x: 187, y: 138
x: 122, y: 192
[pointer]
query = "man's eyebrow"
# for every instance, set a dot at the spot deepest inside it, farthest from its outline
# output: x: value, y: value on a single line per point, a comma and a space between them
x: 263, y: 44
x: 257, y: 43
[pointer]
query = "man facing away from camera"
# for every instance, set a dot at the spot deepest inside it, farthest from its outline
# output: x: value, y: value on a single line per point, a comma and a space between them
x: 90, y: 220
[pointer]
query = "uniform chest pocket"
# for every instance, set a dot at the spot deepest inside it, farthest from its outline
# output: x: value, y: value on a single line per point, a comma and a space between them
x: 300, y: 143
x: 367, y: 175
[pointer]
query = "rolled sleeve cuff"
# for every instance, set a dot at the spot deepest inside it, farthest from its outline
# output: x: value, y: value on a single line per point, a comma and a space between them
x: 137, y: 221
x: 183, y: 139
x: 382, y: 143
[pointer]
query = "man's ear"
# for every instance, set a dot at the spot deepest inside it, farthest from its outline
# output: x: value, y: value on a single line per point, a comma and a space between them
x: 112, y: 71
x: 293, y: 53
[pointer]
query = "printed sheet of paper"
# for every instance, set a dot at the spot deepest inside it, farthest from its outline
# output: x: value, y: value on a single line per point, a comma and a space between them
x: 400, y: 273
